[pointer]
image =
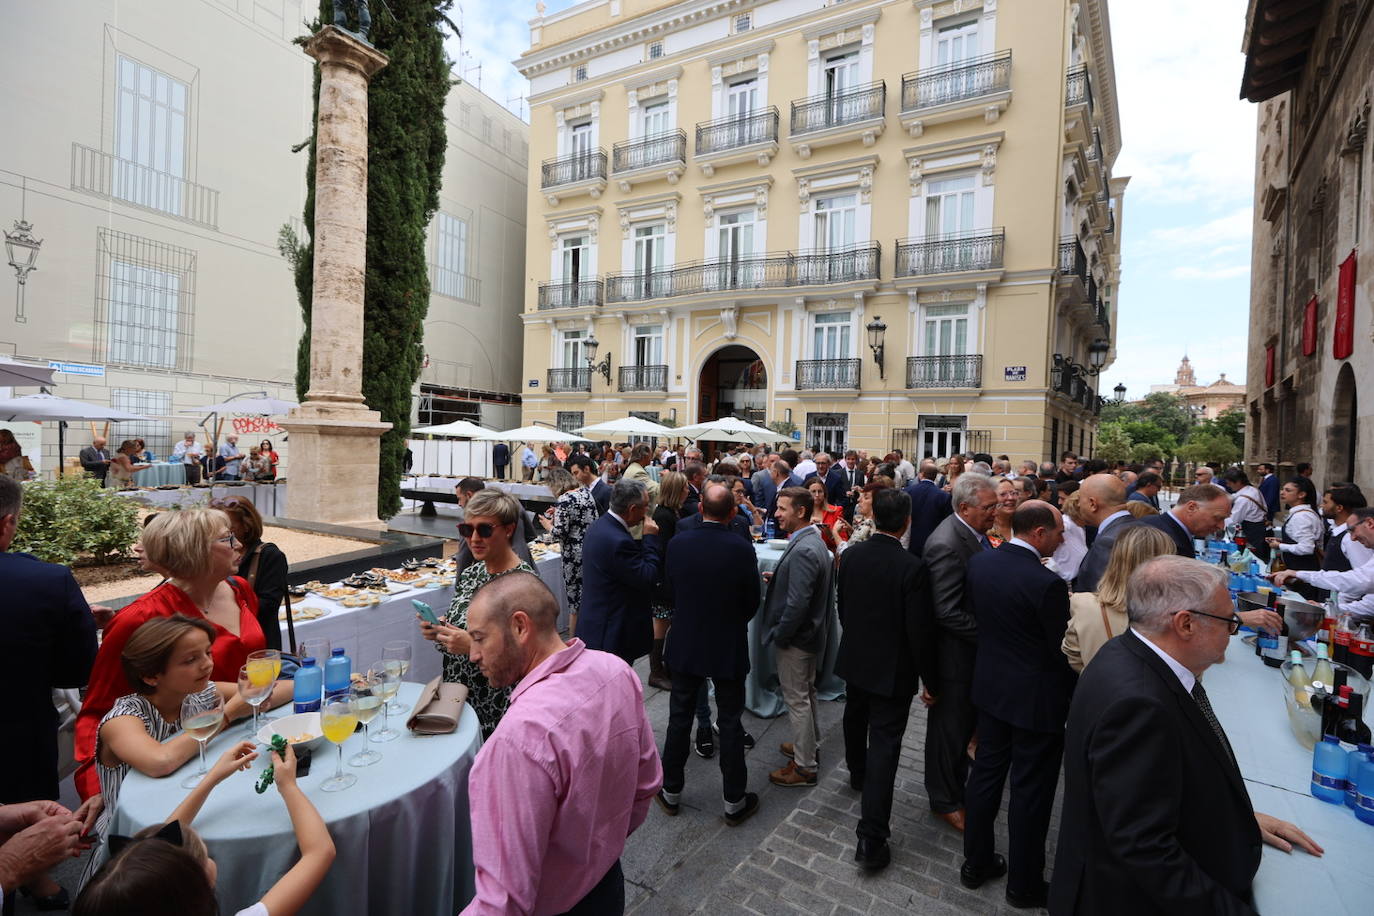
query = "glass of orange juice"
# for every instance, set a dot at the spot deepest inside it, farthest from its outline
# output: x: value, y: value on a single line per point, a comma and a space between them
x: 339, y: 719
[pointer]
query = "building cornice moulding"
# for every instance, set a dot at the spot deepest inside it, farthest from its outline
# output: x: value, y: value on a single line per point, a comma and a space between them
x: 649, y: 77
x: 842, y: 23
x: 574, y: 99
x: 740, y: 52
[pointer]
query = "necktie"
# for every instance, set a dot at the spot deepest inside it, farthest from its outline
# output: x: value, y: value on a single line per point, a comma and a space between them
x: 1203, y: 704
x: 983, y: 539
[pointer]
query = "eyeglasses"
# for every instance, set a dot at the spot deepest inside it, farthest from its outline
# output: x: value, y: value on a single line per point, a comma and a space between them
x: 229, y: 539
x: 484, y: 529
x: 1233, y: 621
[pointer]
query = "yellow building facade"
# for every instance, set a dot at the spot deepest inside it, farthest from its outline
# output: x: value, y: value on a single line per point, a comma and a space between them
x: 892, y: 224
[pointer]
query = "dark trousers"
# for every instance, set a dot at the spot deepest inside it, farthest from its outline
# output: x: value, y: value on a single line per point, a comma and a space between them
x: 1255, y: 533
x: 501, y: 472
x: 606, y: 898
x: 873, y: 729
x: 949, y: 729
x: 193, y: 473
x: 682, y: 704
x: 704, y: 705
x: 1033, y: 759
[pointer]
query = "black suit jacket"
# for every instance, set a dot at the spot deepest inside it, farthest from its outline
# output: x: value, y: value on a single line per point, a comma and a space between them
x: 93, y: 463
x: 1183, y: 541
x: 1021, y: 675
x: 500, y: 454
x: 619, y: 575
x: 947, y: 553
x: 930, y: 505
x: 1156, y: 818
x: 601, y: 494
x: 887, y: 639
x: 738, y: 525
x: 47, y: 640
x: 711, y: 613
x: 691, y: 504
x: 1095, y: 561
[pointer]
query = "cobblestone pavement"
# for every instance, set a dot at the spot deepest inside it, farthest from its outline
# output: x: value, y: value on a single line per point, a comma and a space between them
x: 796, y: 855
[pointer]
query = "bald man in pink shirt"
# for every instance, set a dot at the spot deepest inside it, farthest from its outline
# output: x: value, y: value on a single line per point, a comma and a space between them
x: 570, y: 770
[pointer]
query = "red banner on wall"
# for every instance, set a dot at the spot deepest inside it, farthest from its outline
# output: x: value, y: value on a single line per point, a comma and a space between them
x: 1343, y: 343
x: 1269, y: 366
x: 1309, y: 327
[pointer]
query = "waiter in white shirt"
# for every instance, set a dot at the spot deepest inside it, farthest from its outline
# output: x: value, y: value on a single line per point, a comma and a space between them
x: 1355, y: 585
x: 1248, y: 512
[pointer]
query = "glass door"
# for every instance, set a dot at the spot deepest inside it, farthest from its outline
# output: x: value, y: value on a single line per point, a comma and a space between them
x: 649, y: 345
x: 649, y: 269
x: 949, y: 215
x: 946, y: 337
x: 834, y: 238
x: 741, y: 102
x: 580, y: 148
x: 573, y: 352
x: 830, y: 346
x: 575, y: 267
x: 941, y: 436
x: 654, y: 120
x: 736, y: 238
x: 840, y: 73
x: 827, y: 432
x: 954, y: 46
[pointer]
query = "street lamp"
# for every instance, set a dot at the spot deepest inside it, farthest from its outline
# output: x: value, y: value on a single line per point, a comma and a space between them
x: 1120, y: 392
x: 876, y: 331
x: 590, y: 345
x: 1097, y: 354
x: 22, y: 250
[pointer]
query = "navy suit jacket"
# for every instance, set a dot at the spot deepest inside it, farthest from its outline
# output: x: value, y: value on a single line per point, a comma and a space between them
x: 619, y: 575
x: 1183, y: 541
x: 47, y: 640
x: 1269, y: 489
x: 930, y: 505
x: 1094, y: 564
x: 500, y: 454
x: 1021, y: 675
x: 738, y: 525
x: 711, y: 613
x: 601, y: 494
x: 1138, y: 497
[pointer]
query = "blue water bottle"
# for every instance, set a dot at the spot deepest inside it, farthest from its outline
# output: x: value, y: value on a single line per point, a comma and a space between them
x: 1364, y: 809
x: 1329, y: 768
x: 1360, y: 755
x: 309, y: 680
x: 337, y: 673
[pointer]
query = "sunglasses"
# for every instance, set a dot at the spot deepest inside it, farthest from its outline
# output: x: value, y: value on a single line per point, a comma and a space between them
x: 484, y: 529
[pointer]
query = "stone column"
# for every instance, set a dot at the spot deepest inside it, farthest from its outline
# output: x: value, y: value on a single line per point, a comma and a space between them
x: 334, y: 436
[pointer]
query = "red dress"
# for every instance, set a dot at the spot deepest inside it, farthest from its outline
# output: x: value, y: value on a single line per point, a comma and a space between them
x: 108, y: 682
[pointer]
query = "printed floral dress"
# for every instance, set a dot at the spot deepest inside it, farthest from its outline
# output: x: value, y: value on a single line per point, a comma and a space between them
x: 574, y: 514
x: 487, y: 701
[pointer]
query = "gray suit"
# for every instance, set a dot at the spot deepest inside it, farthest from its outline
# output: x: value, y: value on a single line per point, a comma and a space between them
x: 952, y: 719
x: 794, y: 609
x: 95, y: 461
x: 1095, y: 561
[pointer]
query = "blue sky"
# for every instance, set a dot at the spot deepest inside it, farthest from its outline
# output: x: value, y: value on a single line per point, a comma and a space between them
x: 1189, y: 146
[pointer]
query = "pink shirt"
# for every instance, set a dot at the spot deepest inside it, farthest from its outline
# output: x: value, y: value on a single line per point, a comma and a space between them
x: 566, y: 777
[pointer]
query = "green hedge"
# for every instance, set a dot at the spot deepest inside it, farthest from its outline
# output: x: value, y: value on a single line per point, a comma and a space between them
x: 75, y: 518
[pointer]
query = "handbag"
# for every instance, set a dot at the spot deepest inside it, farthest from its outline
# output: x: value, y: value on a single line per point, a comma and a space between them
x: 439, y: 708
x: 252, y: 578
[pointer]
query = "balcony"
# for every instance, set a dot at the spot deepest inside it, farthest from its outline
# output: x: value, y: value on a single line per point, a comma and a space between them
x: 967, y: 89
x: 643, y: 378
x: 1070, y: 380
x: 112, y: 178
x: 828, y: 374
x: 841, y: 117
x: 660, y: 156
x: 964, y: 253
x: 570, y: 379
x: 851, y: 264
x: 964, y: 371
x: 729, y: 141
x: 576, y: 294
x: 1078, y: 90
x: 569, y: 176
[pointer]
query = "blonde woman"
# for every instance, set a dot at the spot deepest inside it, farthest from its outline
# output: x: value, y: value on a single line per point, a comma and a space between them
x: 1095, y: 618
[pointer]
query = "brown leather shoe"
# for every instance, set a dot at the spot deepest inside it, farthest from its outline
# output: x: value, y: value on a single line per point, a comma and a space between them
x: 954, y: 818
x: 793, y: 777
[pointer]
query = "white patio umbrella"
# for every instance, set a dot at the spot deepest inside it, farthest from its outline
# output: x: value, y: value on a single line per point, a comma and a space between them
x: 265, y: 407
x: 627, y: 426
x: 532, y: 434
x: 23, y: 375
x: 460, y: 429
x: 730, y: 429
x: 38, y: 407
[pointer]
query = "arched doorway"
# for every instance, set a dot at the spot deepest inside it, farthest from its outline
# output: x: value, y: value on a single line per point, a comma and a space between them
x: 733, y: 382
x: 1342, y: 434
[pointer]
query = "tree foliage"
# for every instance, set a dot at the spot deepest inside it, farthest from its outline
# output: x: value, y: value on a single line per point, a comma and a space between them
x: 1210, y: 448
x: 1113, y: 443
x: 1228, y: 425
x: 406, y: 144
x: 74, y: 518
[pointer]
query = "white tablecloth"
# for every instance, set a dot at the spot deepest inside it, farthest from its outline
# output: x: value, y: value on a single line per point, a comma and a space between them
x: 269, y: 498
x: 402, y: 831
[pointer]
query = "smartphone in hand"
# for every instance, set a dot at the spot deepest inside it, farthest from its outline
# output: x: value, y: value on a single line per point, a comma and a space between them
x: 425, y: 611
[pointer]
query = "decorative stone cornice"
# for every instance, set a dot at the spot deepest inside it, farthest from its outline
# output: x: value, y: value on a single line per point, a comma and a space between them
x: 842, y: 23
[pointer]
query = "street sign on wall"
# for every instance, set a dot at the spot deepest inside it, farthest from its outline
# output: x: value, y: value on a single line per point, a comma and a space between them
x: 1014, y: 373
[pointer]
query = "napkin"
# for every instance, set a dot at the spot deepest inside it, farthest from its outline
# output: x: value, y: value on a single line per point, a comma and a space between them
x: 439, y: 708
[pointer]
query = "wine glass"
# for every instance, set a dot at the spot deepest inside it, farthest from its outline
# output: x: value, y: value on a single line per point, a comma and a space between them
x: 338, y: 719
x: 388, y: 675
x: 398, y: 651
x: 318, y: 649
x: 367, y: 702
x: 255, y: 687
x: 202, y: 714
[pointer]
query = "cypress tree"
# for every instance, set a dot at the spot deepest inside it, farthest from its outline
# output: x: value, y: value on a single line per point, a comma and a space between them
x: 406, y: 142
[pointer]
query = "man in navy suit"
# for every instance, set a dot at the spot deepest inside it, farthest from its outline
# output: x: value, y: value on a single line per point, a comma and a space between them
x: 1102, y: 504
x: 1269, y: 488
x: 709, y: 639
x: 1146, y: 490
x: 930, y: 505
x: 780, y: 477
x: 619, y: 574
x: 1201, y: 510
x: 695, y: 473
x: 1022, y: 686
x: 584, y: 472
x: 47, y: 640
x: 834, y: 480
x: 500, y: 459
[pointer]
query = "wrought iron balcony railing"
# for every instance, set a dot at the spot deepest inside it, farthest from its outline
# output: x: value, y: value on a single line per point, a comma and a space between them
x: 1078, y: 89
x: 658, y: 149
x: 942, y: 254
x: 730, y: 133
x: 572, y: 169
x: 570, y: 295
x: 1094, y: 151
x: 1072, y: 261
x: 828, y: 373
x: 967, y: 79
x: 643, y: 378
x: 570, y: 379
x: 112, y: 178
x: 768, y: 271
x: 965, y: 371
x: 820, y: 112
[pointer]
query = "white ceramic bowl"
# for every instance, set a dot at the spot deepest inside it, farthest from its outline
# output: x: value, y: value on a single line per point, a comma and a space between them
x: 780, y: 543
x: 292, y: 727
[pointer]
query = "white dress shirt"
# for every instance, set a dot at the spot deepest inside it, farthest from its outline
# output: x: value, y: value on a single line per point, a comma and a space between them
x: 1185, y: 677
x: 805, y: 469
x: 1025, y: 545
x: 1354, y: 551
x: 1305, y: 527
x: 1247, y: 506
x: 1357, y: 582
x: 1070, y: 554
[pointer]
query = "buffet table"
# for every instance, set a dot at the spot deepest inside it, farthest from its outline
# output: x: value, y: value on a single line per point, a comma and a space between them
x: 762, y: 690
x: 402, y: 830
x: 268, y: 498
x: 1248, y: 700
x: 160, y: 473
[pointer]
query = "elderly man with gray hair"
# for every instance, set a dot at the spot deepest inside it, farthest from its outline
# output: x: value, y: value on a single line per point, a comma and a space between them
x: 619, y: 574
x: 1156, y: 816
x: 952, y: 718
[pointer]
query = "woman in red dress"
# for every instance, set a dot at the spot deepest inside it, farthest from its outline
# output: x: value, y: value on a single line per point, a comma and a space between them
x: 829, y: 519
x: 197, y: 551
